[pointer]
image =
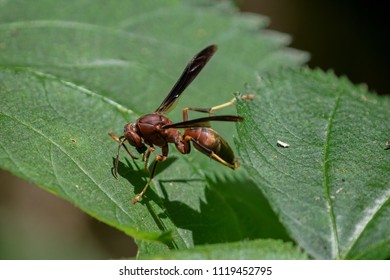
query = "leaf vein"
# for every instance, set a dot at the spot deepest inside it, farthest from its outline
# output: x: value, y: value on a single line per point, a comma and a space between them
x: 326, y: 178
x: 368, y: 216
x: 51, y: 141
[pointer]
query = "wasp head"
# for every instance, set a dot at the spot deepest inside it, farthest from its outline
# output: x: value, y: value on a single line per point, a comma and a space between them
x: 130, y: 132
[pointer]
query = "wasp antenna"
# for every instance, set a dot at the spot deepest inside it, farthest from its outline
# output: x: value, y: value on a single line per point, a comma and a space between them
x: 122, y: 140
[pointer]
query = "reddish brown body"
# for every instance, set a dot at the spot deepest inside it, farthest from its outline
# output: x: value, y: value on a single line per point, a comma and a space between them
x: 155, y: 129
x: 150, y: 129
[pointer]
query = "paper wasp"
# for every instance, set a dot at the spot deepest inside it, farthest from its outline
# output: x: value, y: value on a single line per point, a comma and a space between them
x: 156, y: 129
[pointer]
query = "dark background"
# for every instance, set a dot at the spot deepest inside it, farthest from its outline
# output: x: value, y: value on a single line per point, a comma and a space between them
x: 349, y: 36
x: 352, y: 37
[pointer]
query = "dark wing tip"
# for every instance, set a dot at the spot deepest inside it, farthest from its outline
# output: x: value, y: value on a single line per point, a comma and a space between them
x: 212, y: 48
x: 190, y: 72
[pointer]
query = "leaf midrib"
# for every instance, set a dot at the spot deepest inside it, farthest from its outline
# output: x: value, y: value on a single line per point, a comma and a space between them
x: 58, y: 146
x: 326, y: 176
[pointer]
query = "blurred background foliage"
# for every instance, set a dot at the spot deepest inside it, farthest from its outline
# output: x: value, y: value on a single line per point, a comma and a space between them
x: 349, y: 36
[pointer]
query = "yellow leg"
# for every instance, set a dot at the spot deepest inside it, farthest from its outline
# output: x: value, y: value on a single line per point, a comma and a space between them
x: 212, y: 109
x: 152, y: 172
x: 146, y: 156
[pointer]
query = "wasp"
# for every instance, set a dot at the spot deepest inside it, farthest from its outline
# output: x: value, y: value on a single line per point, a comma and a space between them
x: 156, y: 129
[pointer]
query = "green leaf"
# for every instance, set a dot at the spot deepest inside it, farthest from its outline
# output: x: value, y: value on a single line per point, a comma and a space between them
x: 244, y: 250
x: 46, y: 141
x: 331, y: 186
x: 131, y: 49
x: 71, y: 71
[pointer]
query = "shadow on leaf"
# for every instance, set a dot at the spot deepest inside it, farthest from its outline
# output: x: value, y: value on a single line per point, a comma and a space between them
x: 138, y: 177
x: 232, y: 210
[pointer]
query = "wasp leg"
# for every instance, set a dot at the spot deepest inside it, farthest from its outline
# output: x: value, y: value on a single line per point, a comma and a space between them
x: 152, y: 172
x: 212, y: 109
x: 146, y: 156
x: 135, y: 199
x: 212, y: 154
x: 120, y: 140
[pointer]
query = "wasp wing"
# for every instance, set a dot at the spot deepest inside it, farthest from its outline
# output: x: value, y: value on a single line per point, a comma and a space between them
x: 203, y: 122
x: 189, y: 74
